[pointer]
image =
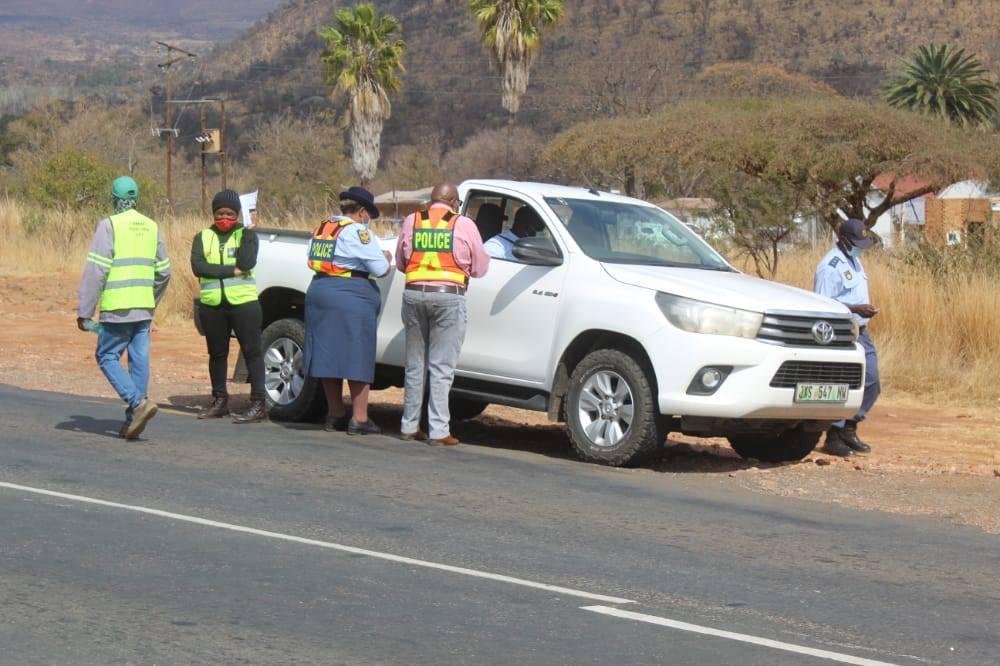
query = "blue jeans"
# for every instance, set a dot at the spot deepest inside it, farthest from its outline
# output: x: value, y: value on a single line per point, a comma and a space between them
x: 113, y: 341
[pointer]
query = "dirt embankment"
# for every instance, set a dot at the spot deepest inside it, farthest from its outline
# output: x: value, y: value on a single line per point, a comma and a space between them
x: 936, y: 460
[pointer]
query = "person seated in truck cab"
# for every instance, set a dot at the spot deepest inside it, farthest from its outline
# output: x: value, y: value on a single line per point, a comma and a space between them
x: 526, y: 224
x: 489, y: 220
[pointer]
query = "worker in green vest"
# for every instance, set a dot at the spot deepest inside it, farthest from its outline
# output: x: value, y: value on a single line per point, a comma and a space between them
x: 125, y: 276
x: 223, y: 257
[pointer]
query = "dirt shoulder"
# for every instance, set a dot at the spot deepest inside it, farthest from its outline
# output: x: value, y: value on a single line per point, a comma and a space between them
x: 934, y: 460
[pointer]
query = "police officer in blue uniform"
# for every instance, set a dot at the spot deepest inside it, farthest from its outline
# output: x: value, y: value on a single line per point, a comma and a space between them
x: 342, y: 307
x: 841, y: 276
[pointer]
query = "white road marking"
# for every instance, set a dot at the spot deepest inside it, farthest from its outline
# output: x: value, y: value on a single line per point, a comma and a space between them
x: 323, y: 544
x: 733, y: 636
x: 603, y: 610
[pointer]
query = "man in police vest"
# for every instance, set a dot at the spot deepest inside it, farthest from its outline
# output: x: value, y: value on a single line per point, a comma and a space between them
x: 126, y: 275
x: 439, y: 250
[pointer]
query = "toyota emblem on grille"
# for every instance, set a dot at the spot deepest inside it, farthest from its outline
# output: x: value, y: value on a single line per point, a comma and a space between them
x: 823, y: 332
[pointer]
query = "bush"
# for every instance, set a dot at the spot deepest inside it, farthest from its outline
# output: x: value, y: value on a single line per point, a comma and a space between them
x: 70, y: 179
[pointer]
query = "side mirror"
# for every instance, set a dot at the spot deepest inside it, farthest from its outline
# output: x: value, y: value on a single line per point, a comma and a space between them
x: 537, y: 252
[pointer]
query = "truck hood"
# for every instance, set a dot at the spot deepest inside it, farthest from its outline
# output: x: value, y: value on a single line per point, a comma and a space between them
x: 734, y: 290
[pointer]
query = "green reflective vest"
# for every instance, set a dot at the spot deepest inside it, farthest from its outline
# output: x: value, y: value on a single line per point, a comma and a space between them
x: 238, y: 290
x: 130, y: 280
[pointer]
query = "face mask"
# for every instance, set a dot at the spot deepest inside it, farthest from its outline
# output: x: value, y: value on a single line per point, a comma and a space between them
x: 855, y: 252
x: 225, y: 225
x: 122, y: 205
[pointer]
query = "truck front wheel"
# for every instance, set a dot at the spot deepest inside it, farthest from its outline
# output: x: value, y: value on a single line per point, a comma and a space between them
x: 784, y: 446
x: 291, y: 396
x: 611, y: 412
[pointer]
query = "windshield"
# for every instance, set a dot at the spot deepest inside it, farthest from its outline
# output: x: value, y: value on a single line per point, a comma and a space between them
x: 622, y: 233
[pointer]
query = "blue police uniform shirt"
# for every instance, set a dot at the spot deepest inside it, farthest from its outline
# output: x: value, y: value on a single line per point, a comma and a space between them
x: 358, y: 249
x: 501, y: 246
x: 843, y: 279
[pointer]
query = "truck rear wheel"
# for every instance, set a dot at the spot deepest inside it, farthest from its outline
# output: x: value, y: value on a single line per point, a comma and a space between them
x: 785, y: 446
x: 291, y: 396
x: 464, y: 409
x: 611, y: 412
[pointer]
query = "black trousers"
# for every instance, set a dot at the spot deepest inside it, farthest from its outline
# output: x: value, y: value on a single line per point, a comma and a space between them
x: 244, y: 320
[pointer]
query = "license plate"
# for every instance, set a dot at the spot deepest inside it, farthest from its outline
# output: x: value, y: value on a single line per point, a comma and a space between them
x: 835, y: 393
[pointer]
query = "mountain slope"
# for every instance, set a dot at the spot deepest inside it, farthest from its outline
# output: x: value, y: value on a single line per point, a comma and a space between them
x: 606, y: 57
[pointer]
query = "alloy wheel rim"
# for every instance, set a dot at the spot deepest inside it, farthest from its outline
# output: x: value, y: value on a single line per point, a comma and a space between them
x: 606, y: 408
x: 283, y: 378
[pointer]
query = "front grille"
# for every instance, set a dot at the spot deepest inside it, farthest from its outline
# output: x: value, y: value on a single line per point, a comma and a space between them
x: 793, y: 373
x: 797, y: 331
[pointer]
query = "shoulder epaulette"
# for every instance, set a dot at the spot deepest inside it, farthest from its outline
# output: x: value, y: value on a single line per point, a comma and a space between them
x: 833, y: 262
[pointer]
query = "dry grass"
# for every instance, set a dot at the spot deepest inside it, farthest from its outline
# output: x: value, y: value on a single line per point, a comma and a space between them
x: 55, y: 240
x: 938, y: 338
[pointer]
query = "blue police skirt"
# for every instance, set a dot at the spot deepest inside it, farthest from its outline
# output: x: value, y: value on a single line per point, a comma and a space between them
x: 341, y: 329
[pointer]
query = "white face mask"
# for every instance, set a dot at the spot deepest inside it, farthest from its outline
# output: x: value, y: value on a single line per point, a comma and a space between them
x: 855, y: 252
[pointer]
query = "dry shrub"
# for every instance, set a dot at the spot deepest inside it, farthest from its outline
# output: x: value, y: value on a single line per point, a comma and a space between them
x: 938, y: 336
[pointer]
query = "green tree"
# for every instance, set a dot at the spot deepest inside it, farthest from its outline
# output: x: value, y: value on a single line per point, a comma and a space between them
x: 364, y: 60
x: 512, y: 32
x: 70, y: 179
x: 942, y: 81
x: 774, y: 159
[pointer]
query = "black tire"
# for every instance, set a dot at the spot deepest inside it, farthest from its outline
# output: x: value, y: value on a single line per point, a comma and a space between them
x: 308, y: 400
x: 645, y: 434
x: 464, y: 409
x: 786, y: 446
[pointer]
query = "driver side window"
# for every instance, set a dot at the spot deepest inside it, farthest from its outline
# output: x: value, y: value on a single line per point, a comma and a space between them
x: 502, y: 221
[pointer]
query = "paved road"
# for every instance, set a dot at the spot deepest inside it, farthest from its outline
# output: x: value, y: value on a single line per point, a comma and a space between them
x: 209, y: 542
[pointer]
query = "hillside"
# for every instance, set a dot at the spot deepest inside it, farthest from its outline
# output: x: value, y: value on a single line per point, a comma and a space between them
x: 72, y: 47
x: 607, y: 56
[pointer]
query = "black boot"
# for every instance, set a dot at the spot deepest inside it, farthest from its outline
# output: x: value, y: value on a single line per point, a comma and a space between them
x: 835, y: 444
x: 256, y: 412
x: 218, y: 408
x: 849, y: 435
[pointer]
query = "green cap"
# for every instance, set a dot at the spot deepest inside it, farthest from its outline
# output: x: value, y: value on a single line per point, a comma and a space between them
x: 125, y: 188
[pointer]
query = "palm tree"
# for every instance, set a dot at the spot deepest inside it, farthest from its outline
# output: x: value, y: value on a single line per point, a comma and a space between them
x: 943, y: 81
x: 363, y: 60
x: 512, y: 31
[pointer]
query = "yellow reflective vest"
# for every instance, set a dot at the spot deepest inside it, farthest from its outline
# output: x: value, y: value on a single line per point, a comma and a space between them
x: 132, y: 271
x: 238, y: 290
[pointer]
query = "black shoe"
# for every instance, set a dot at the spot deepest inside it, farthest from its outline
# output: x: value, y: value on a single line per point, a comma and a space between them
x: 849, y: 435
x: 365, y: 428
x: 835, y: 445
x: 218, y: 408
x: 337, y: 423
x: 256, y: 412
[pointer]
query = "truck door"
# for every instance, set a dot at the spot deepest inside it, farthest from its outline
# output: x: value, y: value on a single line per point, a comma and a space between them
x: 514, y: 309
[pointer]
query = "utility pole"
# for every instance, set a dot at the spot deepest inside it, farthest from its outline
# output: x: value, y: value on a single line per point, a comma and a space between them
x: 167, y: 67
x: 222, y: 141
x: 204, y: 186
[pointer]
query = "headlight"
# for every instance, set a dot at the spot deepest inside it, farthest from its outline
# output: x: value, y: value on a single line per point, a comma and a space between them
x: 698, y: 317
x: 855, y: 329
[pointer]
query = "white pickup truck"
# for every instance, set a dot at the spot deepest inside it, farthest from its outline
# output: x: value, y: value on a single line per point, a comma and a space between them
x: 622, y: 333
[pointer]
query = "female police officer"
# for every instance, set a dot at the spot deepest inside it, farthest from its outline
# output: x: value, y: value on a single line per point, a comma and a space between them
x: 342, y: 306
x: 223, y: 257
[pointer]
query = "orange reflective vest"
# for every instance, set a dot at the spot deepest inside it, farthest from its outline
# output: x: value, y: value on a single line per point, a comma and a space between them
x: 324, y: 245
x: 433, y: 246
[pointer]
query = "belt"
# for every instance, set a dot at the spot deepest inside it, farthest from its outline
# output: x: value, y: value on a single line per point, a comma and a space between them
x: 354, y: 274
x: 437, y: 289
